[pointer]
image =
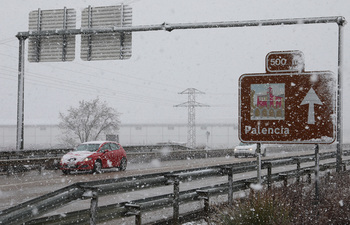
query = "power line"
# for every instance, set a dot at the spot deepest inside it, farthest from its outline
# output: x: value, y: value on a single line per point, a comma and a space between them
x: 85, y: 88
x: 128, y: 76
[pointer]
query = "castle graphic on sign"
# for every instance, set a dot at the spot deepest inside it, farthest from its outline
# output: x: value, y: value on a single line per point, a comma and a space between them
x: 267, y: 101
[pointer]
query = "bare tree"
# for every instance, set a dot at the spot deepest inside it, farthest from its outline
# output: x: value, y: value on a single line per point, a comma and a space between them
x: 88, y: 121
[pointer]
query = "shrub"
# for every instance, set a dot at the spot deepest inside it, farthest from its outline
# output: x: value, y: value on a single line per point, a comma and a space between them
x: 260, y: 207
x: 294, y: 204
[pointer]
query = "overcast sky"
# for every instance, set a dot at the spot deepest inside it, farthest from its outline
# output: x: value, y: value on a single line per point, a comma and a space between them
x: 145, y: 87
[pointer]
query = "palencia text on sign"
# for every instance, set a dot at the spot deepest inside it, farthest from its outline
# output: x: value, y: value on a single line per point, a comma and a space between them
x: 265, y: 130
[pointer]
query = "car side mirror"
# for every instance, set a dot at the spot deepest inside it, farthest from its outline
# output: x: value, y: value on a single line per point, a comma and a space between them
x: 105, y: 151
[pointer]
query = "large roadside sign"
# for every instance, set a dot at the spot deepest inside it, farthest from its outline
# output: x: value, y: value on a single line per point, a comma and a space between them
x: 52, y: 48
x: 287, y: 107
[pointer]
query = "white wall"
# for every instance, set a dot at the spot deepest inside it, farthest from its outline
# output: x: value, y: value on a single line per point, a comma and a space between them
x: 45, y: 136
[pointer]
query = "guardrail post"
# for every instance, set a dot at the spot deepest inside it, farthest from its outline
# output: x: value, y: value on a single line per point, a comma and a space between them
x: 92, y: 192
x: 134, y: 209
x: 176, y: 197
x: 328, y: 175
x: 41, y: 168
x: 93, y: 207
x: 285, y: 179
x: 10, y: 170
x: 176, y: 200
x: 204, y: 194
x: 269, y: 174
x: 229, y: 172
x: 308, y: 176
x: 298, y: 169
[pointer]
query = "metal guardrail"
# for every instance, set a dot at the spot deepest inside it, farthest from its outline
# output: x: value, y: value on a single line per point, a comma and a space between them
x: 58, y: 152
x: 49, y: 158
x: 30, y: 211
x: 54, y: 152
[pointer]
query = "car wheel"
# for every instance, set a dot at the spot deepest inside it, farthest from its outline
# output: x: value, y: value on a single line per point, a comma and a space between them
x: 123, y: 164
x: 97, y: 167
x: 65, y: 172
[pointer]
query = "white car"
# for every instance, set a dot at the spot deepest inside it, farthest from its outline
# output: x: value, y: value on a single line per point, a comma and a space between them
x: 248, y: 149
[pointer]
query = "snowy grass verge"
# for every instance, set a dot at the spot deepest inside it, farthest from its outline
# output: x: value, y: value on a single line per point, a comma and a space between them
x: 294, y: 204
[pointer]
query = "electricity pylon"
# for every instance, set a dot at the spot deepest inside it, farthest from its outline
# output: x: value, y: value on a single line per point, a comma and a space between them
x: 191, y: 104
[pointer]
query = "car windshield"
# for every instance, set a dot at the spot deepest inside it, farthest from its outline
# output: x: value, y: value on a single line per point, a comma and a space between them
x: 244, y: 144
x: 88, y: 147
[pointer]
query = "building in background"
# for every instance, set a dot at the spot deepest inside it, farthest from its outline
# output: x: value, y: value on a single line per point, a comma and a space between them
x: 49, y: 136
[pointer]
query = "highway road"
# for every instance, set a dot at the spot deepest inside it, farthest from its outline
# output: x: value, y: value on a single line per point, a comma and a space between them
x: 25, y: 186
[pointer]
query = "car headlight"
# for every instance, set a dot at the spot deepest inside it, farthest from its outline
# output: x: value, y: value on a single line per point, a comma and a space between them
x: 87, y: 159
x: 251, y: 149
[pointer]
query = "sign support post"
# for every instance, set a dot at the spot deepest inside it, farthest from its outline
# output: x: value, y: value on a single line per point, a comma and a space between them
x: 317, y: 169
x: 20, y: 97
x: 258, y: 160
x: 339, y: 151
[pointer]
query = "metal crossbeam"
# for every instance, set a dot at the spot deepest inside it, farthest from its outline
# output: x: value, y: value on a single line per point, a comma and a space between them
x: 181, y: 26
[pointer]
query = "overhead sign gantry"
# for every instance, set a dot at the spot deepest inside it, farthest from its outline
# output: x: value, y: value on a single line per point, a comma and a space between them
x: 122, y: 30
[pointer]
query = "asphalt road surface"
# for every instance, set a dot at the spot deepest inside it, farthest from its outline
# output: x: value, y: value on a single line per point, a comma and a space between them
x: 22, y: 187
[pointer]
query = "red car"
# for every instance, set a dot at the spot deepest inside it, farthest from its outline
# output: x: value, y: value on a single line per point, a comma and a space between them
x: 94, y: 156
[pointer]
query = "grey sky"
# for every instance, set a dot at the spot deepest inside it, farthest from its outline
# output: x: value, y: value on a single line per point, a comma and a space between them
x: 145, y: 88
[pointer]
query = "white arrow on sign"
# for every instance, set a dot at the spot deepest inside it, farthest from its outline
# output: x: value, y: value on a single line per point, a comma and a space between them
x: 311, y: 98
